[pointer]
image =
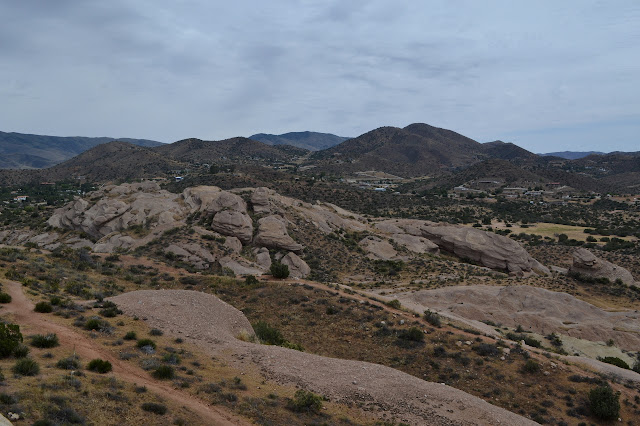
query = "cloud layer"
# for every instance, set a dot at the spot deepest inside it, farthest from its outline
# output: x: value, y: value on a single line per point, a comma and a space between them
x: 546, y: 75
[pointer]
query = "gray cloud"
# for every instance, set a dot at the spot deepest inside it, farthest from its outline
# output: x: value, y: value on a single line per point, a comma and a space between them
x: 542, y: 74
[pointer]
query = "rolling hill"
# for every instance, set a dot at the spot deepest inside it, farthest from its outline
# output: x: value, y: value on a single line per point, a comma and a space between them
x: 313, y: 141
x: 25, y: 151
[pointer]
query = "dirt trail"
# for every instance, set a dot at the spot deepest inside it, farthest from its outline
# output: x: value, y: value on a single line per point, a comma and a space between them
x: 22, y: 310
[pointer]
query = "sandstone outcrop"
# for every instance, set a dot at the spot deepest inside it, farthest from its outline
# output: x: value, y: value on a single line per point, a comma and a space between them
x: 416, y: 244
x: 491, y: 250
x: 233, y: 244
x: 263, y: 258
x: 272, y: 233
x: 260, y: 200
x: 240, y: 266
x: 233, y: 223
x: 378, y: 249
x: 298, y: 268
x: 211, y: 199
x: 192, y: 254
x: 587, y: 264
x: 111, y: 242
x: 120, y: 208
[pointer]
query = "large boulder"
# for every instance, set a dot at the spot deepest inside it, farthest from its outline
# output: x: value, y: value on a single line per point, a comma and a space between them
x: 298, y: 268
x: 263, y: 258
x: 260, y: 200
x: 111, y: 242
x: 240, y: 266
x: 491, y: 250
x: 587, y: 264
x: 234, y: 224
x: 211, y: 199
x: 272, y: 233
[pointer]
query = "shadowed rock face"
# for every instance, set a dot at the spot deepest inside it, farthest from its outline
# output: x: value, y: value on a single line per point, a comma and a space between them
x: 586, y: 263
x: 491, y: 250
x: 298, y: 268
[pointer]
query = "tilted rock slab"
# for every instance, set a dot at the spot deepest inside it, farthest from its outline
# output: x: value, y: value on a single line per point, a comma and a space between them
x: 272, y: 233
x: 233, y: 223
x: 211, y: 199
x: 378, y: 249
x: 491, y: 250
x: 586, y: 263
x: 298, y: 268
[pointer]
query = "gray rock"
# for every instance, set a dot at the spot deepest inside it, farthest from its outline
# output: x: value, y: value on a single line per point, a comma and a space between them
x: 587, y: 264
x: 263, y: 258
x: 416, y: 244
x: 211, y: 199
x: 234, y: 224
x: 111, y: 242
x: 272, y: 232
x: 298, y: 268
x: 260, y: 200
x: 378, y: 249
x: 233, y: 244
x: 491, y: 250
x: 240, y: 266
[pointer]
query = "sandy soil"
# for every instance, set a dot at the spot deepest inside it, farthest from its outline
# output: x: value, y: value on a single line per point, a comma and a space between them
x: 204, y: 320
x: 21, y: 309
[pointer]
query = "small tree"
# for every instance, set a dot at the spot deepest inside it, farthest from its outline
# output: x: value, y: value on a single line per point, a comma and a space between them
x: 279, y: 270
x: 604, y: 403
x: 10, y: 338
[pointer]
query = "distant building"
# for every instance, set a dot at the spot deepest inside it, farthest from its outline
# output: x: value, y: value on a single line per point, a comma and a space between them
x: 179, y: 178
x: 21, y: 198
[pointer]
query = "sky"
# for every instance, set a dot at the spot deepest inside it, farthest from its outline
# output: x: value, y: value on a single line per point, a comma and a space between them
x: 545, y: 75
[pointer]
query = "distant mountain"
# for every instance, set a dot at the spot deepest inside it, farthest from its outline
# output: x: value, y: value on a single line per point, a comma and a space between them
x: 313, y: 141
x: 570, y: 155
x: 24, y: 151
x: 235, y: 149
x: 416, y: 150
x: 507, y: 151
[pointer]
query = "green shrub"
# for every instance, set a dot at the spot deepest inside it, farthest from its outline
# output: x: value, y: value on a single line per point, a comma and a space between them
x: 21, y: 351
x: 304, y: 401
x: 486, y: 349
x: 395, y: 304
x: 432, y: 318
x: 10, y: 338
x: 604, y: 403
x: 43, y: 307
x: 250, y: 280
x: 44, y: 341
x: 131, y: 335
x: 530, y: 367
x: 5, y: 298
x: 99, y: 366
x: 267, y: 334
x: 164, y: 372
x: 26, y: 367
x: 614, y: 361
x: 69, y: 363
x: 146, y: 342
x: 96, y: 324
x: 279, y: 270
x: 413, y: 334
x: 155, y: 408
x: 155, y: 332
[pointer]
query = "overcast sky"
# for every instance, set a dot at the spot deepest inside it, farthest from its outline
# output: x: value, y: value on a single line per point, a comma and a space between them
x: 546, y: 75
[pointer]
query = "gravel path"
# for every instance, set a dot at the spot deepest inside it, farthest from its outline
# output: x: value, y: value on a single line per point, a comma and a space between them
x: 206, y: 321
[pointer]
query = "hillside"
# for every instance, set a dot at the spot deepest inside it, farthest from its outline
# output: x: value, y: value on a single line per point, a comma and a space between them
x: 25, y: 151
x: 570, y: 155
x: 113, y: 161
x: 313, y: 141
x: 235, y: 149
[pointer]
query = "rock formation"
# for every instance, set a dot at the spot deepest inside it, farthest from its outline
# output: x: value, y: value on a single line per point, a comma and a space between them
x: 378, y: 249
x: 233, y: 223
x: 587, y: 264
x: 260, y: 200
x: 272, y: 233
x: 491, y: 250
x: 298, y: 268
